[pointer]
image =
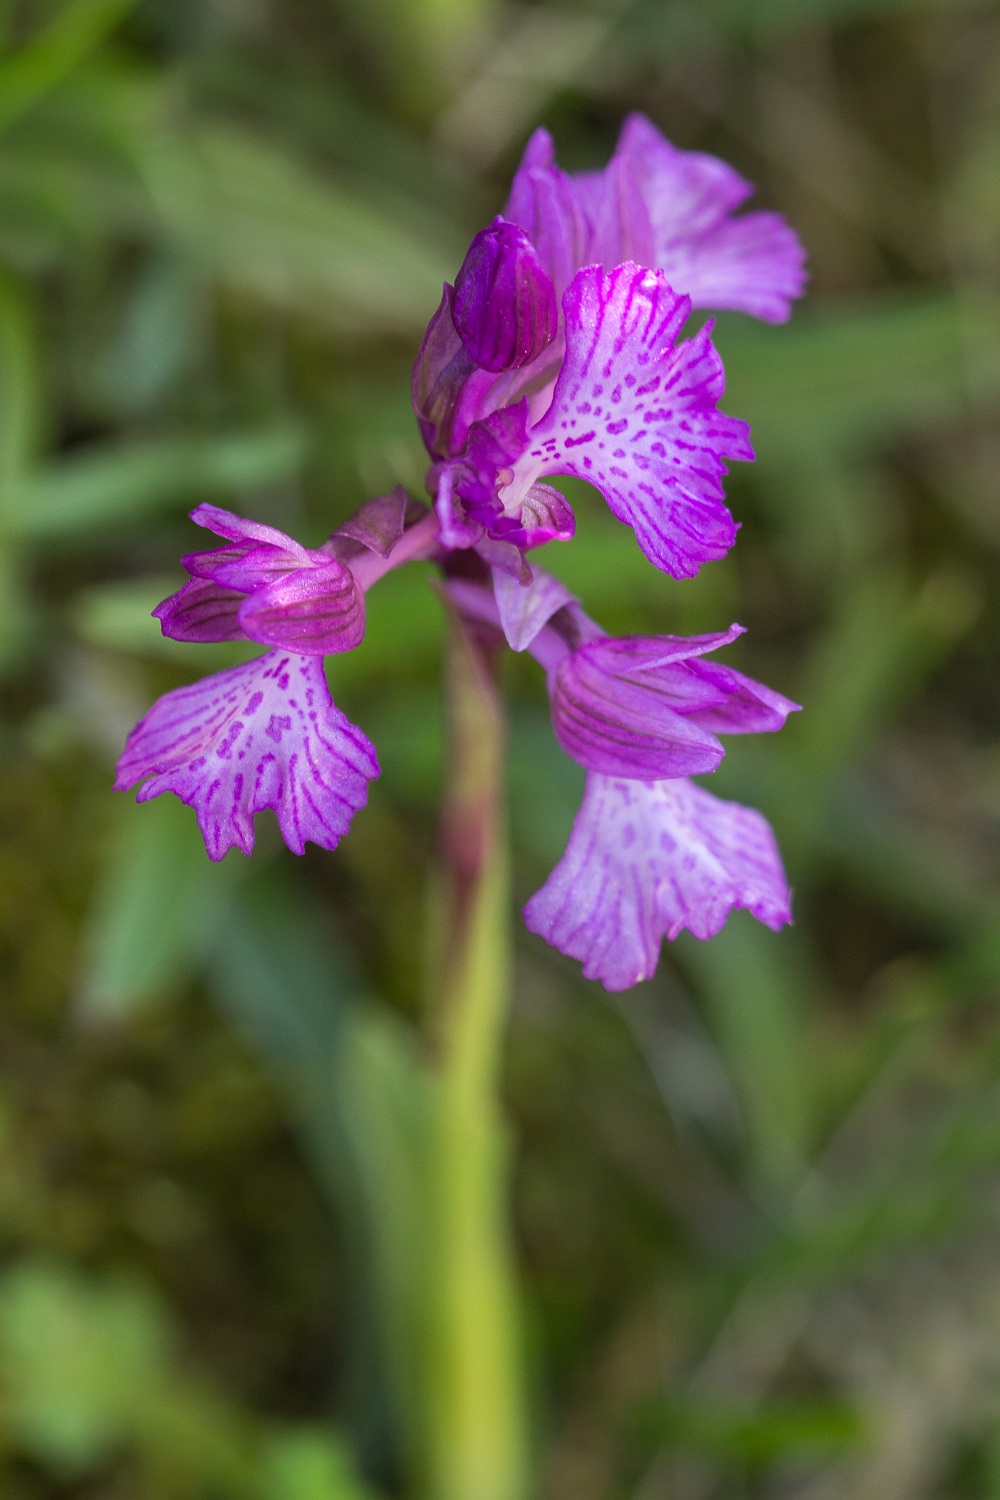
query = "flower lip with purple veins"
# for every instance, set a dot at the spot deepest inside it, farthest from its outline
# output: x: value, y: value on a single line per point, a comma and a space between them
x: 632, y: 412
x: 645, y: 860
x: 262, y: 735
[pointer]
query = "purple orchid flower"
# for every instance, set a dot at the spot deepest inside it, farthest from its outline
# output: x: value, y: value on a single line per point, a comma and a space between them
x: 650, y: 853
x: 557, y: 352
x: 267, y: 734
x: 630, y: 411
x: 511, y: 387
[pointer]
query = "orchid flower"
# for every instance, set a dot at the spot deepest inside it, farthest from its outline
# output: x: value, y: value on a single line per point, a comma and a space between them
x: 650, y: 853
x: 267, y: 734
x: 556, y: 352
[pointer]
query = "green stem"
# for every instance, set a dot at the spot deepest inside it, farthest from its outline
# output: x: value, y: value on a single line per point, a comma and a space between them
x: 475, y: 1418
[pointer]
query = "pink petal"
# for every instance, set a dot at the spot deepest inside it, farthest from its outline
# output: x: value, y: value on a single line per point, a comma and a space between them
x: 244, y: 566
x: 646, y: 860
x: 637, y: 417
x: 234, y: 528
x: 526, y: 608
x: 753, y: 264
x: 316, y: 611
x: 544, y: 203
x: 201, y: 611
x: 262, y: 735
x: 622, y: 725
x: 378, y: 524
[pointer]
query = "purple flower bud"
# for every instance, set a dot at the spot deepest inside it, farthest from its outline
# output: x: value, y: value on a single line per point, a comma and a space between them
x: 505, y: 304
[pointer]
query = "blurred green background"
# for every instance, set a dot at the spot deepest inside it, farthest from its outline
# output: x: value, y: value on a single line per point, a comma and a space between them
x: 757, y: 1200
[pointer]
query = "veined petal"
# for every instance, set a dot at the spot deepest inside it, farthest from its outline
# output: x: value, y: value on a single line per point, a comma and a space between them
x: 725, y: 701
x: 716, y: 697
x: 243, y: 566
x: 636, y: 416
x: 545, y: 516
x: 201, y: 611
x: 644, y: 861
x: 525, y: 609
x: 234, y: 528
x: 256, y: 556
x: 544, y: 203
x: 263, y: 735
x: 753, y: 264
x: 622, y: 725
x: 620, y: 224
x: 378, y: 524
x: 316, y: 611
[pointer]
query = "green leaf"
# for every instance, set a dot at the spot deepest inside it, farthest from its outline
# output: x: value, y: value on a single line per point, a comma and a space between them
x: 77, y: 1357
x: 283, y: 978
x: 757, y: 992
x: 883, y: 640
x: 118, y: 616
x: 309, y: 1465
x: 851, y: 378
x: 159, y: 903
x: 131, y: 481
x: 387, y: 1098
x: 54, y: 53
x: 266, y: 225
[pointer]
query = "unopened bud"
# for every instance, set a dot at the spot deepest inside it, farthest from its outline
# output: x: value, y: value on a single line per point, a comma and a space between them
x: 505, y: 304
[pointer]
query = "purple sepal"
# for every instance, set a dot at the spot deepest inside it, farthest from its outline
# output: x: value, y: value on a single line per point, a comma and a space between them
x: 440, y: 371
x: 263, y: 735
x: 504, y: 306
x: 646, y: 860
x: 677, y: 207
x: 544, y: 203
x: 377, y: 525
x: 621, y: 726
x: 620, y: 226
x: 316, y: 611
x: 244, y: 567
x: 525, y: 609
x: 234, y: 528
x: 257, y: 554
x: 504, y: 557
x: 717, y: 697
x: 201, y: 611
x: 636, y: 417
x: 648, y: 707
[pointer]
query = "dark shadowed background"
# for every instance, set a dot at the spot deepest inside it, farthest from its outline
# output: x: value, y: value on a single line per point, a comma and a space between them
x: 756, y: 1200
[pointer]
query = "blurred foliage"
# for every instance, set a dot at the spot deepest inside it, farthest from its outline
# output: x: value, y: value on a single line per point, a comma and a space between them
x: 756, y: 1200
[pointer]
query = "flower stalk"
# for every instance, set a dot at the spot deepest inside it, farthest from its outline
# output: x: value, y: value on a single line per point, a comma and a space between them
x: 475, y: 1430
